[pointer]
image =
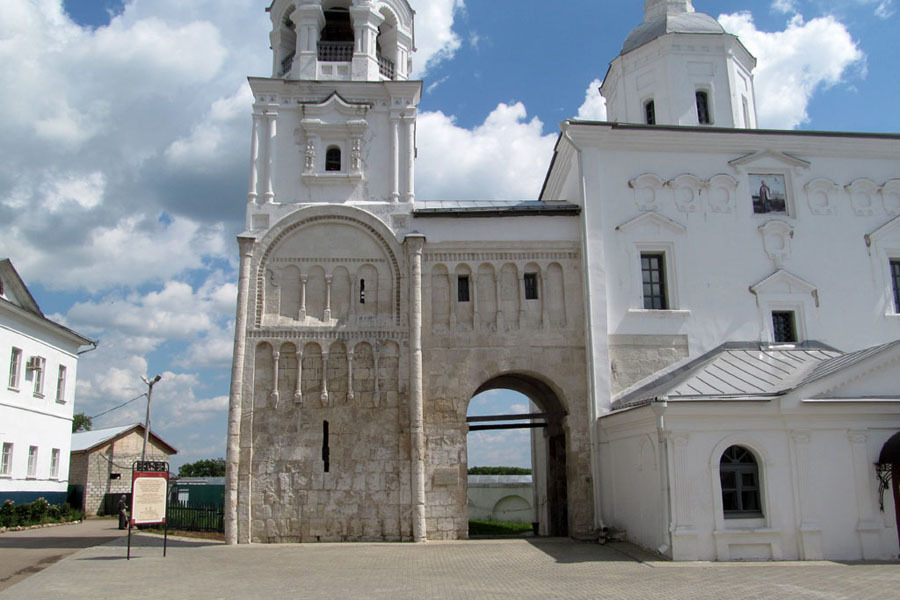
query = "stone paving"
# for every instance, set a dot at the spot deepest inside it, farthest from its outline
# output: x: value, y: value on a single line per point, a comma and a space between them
x: 536, y: 568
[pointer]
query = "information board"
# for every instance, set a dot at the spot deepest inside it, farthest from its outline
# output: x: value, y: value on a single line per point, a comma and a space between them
x: 148, y: 498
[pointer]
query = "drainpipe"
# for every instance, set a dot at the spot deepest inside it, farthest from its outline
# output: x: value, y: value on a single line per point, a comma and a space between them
x: 593, y: 413
x: 659, y: 406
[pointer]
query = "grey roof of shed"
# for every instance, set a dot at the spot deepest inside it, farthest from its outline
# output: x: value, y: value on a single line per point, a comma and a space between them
x: 739, y: 371
x: 688, y: 22
x: 87, y: 440
x: 486, y: 208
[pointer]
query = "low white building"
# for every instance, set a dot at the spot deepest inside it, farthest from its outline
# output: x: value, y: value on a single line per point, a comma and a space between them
x: 36, y: 404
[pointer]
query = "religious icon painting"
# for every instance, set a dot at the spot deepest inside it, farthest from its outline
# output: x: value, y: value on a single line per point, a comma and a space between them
x: 769, y: 193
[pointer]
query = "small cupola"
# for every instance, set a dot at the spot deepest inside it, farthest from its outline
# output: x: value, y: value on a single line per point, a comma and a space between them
x: 680, y: 67
x: 342, y: 40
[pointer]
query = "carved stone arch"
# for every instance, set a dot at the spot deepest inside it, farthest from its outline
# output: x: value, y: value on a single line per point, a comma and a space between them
x: 486, y: 282
x: 532, y: 308
x: 722, y: 190
x: 400, y: 9
x: 647, y: 190
x: 311, y: 376
x: 509, y: 295
x: 464, y: 306
x: 555, y: 286
x: 863, y: 197
x: 374, y: 229
x: 441, y: 301
x: 337, y: 375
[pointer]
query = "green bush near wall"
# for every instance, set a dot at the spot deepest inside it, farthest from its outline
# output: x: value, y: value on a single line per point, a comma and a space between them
x: 39, y: 512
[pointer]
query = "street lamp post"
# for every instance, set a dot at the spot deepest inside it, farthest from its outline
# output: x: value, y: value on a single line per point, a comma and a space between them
x: 150, y: 383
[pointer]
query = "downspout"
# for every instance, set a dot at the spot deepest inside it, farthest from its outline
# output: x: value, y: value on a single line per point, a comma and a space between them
x: 659, y: 406
x: 593, y: 415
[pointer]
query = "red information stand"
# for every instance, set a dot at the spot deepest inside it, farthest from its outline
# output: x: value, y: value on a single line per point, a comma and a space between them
x: 149, y: 497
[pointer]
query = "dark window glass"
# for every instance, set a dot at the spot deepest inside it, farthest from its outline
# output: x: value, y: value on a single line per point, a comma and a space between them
x: 462, y: 288
x: 531, y: 286
x: 653, y: 274
x: 650, y: 113
x: 362, y: 291
x: 338, y: 26
x: 739, y: 476
x: 333, y: 159
x: 703, y: 108
x: 895, y: 278
x: 784, y: 328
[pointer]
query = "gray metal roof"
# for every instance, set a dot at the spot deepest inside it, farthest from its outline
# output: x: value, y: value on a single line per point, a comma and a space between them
x: 86, y: 440
x: 734, y: 371
x: 479, y: 208
x: 687, y: 22
x: 844, y: 361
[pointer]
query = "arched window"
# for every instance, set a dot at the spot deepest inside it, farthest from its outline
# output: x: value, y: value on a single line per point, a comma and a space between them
x: 650, y: 112
x: 703, y: 116
x: 739, y: 475
x: 333, y: 159
x: 336, y: 38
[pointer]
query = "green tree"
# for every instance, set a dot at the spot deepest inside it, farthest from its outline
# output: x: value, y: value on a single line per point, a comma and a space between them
x: 81, y: 422
x: 208, y: 467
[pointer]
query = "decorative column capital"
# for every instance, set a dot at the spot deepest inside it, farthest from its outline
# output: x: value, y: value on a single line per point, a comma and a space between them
x: 415, y: 242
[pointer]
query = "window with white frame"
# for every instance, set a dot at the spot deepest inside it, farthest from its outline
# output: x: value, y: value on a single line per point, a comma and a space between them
x: 61, y: 384
x: 15, y: 368
x: 739, y: 476
x: 653, y: 279
x: 6, y: 459
x: 54, y: 463
x: 35, y: 368
x: 32, y: 461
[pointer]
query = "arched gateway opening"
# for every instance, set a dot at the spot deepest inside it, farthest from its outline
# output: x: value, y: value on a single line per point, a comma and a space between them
x: 548, y: 439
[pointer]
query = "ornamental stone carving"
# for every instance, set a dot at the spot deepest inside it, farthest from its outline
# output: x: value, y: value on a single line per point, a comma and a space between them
x: 863, y: 197
x: 687, y: 189
x: 821, y: 196
x: 777, y: 236
x: 647, y: 190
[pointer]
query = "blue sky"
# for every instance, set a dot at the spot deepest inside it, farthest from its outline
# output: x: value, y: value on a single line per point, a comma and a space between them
x: 125, y: 128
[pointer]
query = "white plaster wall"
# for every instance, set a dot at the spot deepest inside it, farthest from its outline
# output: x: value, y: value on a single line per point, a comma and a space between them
x: 485, y: 496
x: 499, y: 229
x: 28, y: 420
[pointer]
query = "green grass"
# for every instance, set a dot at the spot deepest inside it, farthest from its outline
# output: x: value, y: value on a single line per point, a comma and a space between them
x: 497, y: 528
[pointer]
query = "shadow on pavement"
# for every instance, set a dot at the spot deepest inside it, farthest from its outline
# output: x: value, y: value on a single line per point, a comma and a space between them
x: 566, y: 550
x: 34, y: 543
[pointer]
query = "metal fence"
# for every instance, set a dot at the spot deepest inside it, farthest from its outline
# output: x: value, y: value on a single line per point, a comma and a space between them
x: 196, y: 518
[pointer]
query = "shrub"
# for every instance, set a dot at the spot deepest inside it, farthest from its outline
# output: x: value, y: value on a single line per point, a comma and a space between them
x: 35, y: 513
x: 7, y: 514
x: 39, y: 509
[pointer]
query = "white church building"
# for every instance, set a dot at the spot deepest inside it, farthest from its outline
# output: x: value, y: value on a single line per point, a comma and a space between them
x: 705, y: 315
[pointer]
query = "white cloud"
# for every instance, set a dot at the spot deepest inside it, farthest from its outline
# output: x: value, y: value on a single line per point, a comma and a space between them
x: 435, y: 39
x: 85, y: 191
x: 594, y: 106
x: 885, y: 9
x: 794, y: 64
x: 785, y: 6
x: 504, y: 157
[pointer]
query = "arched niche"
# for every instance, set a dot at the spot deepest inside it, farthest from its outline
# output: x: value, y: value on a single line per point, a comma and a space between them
x: 533, y: 299
x: 486, y: 296
x: 389, y: 373
x: 311, y: 377
x: 556, y: 295
x: 440, y: 299
x: 509, y: 296
x: 316, y: 293
x: 337, y: 375
x: 364, y: 374
x: 290, y: 292
x: 340, y: 294
x: 367, y: 297
x: 464, y: 292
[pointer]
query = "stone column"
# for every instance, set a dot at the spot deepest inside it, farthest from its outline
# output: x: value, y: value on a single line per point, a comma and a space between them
x: 272, y: 131
x: 810, y: 530
x: 253, y: 193
x: 354, y: 298
x: 684, y: 534
x: 542, y: 294
x: 410, y: 122
x: 868, y: 526
x: 350, y: 395
x: 498, y: 278
x: 303, y: 280
x: 328, y: 280
x: 324, y: 396
x: 276, y: 356
x: 376, y: 350
x: 395, y: 158
x: 415, y: 244
x: 298, y: 389
x: 473, y: 290
x: 232, y: 451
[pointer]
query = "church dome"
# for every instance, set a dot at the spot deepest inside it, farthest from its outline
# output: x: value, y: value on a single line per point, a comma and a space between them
x: 662, y: 17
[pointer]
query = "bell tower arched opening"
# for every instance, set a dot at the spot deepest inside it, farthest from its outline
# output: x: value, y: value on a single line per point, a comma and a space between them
x: 544, y: 418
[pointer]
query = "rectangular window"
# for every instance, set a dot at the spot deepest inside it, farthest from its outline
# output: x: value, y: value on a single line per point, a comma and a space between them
x: 650, y: 112
x: 653, y: 274
x: 703, y: 116
x: 6, y: 459
x: 784, y: 327
x: 462, y: 288
x: 36, y: 366
x: 54, y: 464
x: 531, y: 286
x: 32, y: 461
x: 15, y: 368
x: 61, y: 384
x: 895, y: 279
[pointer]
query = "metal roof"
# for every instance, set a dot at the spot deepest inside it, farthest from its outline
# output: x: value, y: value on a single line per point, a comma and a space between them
x: 687, y: 22
x: 86, y: 440
x: 734, y: 371
x: 845, y: 361
x: 484, y: 208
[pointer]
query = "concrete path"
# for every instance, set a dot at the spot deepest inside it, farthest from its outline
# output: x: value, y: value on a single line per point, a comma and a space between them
x: 23, y: 553
x: 520, y: 569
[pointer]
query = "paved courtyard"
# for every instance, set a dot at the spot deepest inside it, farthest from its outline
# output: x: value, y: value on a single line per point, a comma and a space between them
x: 537, y: 568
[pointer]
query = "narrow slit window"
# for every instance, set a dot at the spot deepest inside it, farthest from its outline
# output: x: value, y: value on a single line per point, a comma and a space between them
x: 61, y: 384
x: 653, y: 276
x: 650, y: 112
x: 326, y: 451
x: 895, y: 280
x: 531, y: 286
x: 703, y: 116
x: 333, y: 159
x: 362, y: 291
x: 462, y: 288
x: 784, y: 327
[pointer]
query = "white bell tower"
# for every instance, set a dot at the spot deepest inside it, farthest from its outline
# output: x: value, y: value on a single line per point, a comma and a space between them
x: 336, y: 121
x: 680, y: 67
